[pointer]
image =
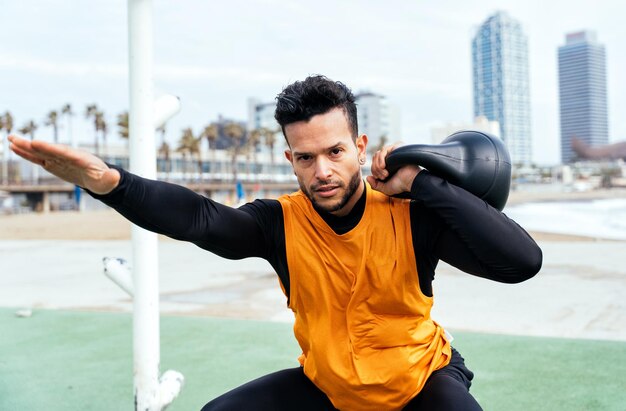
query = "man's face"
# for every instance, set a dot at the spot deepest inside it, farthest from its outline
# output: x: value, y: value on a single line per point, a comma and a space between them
x: 325, y: 160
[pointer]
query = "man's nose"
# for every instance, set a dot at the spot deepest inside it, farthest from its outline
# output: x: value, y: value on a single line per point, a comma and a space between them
x: 323, y: 169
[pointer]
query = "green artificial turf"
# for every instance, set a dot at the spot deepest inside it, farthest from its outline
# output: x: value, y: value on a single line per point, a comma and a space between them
x: 65, y: 360
x: 530, y: 373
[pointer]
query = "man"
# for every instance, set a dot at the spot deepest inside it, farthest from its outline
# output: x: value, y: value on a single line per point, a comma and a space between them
x: 355, y: 263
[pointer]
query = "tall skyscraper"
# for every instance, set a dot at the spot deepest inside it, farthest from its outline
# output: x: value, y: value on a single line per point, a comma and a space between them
x: 501, y: 84
x: 582, y: 92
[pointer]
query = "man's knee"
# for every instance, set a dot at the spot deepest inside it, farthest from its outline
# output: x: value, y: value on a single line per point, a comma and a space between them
x: 443, y: 392
x: 252, y: 395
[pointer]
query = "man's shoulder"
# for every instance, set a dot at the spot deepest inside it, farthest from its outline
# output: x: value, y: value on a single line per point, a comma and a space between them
x: 261, y: 204
x: 296, y: 197
x: 266, y: 212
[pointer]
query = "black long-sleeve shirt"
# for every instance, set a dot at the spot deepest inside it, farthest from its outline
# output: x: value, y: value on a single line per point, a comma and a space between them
x: 447, y: 223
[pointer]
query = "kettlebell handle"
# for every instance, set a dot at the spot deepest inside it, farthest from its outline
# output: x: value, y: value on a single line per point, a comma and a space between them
x: 475, y: 161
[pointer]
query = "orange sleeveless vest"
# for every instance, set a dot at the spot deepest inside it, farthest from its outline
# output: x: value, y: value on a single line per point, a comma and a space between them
x: 361, y: 320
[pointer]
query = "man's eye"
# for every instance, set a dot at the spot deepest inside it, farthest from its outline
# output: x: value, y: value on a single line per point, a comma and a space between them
x: 335, y: 151
x: 304, y: 158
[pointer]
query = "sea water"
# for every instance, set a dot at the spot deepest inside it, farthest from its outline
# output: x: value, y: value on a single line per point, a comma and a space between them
x: 604, y: 218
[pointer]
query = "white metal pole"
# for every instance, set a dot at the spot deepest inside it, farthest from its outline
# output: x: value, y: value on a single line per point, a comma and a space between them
x: 146, y: 349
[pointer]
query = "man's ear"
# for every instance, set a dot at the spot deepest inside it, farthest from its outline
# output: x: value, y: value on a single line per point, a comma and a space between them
x: 289, y: 158
x: 361, y: 145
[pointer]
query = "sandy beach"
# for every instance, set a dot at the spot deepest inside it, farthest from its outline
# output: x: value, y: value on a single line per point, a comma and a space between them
x: 54, y: 261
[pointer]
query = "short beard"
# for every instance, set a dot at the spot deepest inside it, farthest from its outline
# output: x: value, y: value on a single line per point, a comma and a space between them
x: 353, y: 186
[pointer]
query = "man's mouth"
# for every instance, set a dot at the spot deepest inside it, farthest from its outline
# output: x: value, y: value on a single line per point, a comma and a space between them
x: 328, y: 190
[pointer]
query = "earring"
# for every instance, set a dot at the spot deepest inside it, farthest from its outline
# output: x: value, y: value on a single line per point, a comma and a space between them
x: 361, y: 161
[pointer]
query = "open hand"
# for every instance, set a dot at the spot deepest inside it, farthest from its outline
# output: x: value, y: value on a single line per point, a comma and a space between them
x: 77, y: 167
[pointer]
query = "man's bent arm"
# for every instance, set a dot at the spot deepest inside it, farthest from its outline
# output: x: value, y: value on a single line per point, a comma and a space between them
x: 475, y: 237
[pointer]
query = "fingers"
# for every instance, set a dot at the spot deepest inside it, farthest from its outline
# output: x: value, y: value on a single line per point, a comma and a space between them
x: 22, y: 148
x: 379, y: 170
x: 19, y: 142
x: 42, y: 152
x: 378, y: 165
x: 27, y: 155
x: 375, y: 183
x: 48, y: 149
x: 71, y: 165
x: 38, y: 152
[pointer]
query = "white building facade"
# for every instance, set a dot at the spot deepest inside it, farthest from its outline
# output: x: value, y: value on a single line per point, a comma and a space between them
x: 481, y: 123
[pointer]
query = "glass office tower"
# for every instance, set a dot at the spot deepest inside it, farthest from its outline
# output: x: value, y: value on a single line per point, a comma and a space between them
x: 501, y: 82
x: 582, y: 92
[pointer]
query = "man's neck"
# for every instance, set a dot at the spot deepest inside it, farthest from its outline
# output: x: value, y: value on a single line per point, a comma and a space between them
x: 347, y: 208
x: 345, y: 222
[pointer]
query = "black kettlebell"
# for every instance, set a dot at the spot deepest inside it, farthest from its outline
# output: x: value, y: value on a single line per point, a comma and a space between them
x: 473, y: 160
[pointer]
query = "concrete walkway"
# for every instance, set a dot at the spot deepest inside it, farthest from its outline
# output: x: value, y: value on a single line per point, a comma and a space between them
x: 579, y: 293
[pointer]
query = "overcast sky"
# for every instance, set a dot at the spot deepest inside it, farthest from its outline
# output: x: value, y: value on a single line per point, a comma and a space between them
x: 217, y: 54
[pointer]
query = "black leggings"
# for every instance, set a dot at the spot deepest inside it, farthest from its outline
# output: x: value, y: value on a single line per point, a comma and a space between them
x: 447, y: 389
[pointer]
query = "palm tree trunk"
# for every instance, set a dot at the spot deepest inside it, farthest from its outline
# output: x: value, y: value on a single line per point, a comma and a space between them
x: 199, y: 166
x: 234, y: 164
x: 71, y: 141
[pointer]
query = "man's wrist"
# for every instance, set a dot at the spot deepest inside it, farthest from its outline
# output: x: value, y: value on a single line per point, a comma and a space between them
x: 417, y: 184
x: 410, y: 178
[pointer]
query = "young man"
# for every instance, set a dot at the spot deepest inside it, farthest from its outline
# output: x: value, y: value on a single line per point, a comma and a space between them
x: 355, y: 263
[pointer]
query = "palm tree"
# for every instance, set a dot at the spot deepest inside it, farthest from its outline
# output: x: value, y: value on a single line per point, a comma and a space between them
x: 122, y: 124
x: 236, y: 133
x: 270, y: 142
x: 194, y: 150
x: 123, y: 128
x: 164, y: 152
x: 90, y: 111
x: 254, y: 139
x: 29, y: 128
x: 101, y: 126
x: 5, y: 154
x: 211, y: 133
x: 6, y: 123
x: 188, y: 145
x: 67, y: 112
x: 53, y: 121
x: 183, y: 147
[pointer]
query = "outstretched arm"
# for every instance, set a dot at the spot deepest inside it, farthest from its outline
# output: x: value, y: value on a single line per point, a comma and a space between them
x: 180, y: 213
x: 157, y: 206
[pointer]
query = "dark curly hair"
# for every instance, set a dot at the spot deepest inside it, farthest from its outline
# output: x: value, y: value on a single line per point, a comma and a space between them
x: 317, y: 94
